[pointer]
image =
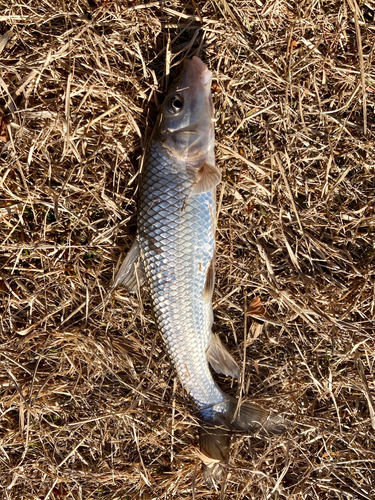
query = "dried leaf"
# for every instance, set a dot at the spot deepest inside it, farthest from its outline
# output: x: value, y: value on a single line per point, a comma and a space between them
x: 216, y: 88
x: 257, y: 310
x: 4, y: 134
x: 256, y: 329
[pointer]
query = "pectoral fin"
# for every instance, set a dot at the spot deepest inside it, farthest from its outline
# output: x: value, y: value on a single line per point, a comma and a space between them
x: 220, y: 359
x: 207, y: 178
x: 131, y: 271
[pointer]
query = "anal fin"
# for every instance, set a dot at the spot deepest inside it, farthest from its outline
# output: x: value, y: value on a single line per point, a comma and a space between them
x: 221, y: 360
x: 131, y: 271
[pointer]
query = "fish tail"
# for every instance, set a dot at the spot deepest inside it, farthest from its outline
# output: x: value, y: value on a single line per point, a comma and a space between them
x: 215, y: 434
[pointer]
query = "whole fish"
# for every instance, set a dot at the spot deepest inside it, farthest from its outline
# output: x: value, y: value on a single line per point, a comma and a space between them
x: 174, y: 253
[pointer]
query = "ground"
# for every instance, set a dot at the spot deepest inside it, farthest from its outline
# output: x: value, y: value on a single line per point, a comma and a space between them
x: 90, y: 405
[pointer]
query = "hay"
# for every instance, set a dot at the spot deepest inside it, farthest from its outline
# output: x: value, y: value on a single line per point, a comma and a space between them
x: 90, y: 407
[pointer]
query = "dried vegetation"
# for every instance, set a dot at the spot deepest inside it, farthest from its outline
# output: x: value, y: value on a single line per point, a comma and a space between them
x: 90, y: 408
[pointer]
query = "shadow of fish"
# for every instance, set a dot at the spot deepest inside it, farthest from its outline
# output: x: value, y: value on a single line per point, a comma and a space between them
x: 174, y: 254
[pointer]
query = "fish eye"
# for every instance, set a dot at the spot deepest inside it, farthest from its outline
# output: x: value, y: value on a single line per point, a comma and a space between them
x: 175, y: 104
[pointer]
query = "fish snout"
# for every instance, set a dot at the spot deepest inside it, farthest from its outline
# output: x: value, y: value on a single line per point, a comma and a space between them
x: 202, y: 70
x: 198, y: 70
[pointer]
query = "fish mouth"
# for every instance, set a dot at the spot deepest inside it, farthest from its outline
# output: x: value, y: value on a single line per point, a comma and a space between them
x: 188, y: 130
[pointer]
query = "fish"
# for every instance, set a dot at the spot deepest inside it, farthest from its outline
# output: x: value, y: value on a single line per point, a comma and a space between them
x: 174, y: 255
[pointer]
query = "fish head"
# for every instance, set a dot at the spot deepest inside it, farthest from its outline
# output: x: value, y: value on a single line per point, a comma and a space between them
x: 186, y: 127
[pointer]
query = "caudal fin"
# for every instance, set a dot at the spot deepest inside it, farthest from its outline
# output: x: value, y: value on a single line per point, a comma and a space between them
x: 215, y: 435
x: 214, y: 443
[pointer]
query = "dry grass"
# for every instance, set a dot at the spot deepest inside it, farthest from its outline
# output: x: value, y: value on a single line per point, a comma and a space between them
x: 89, y: 405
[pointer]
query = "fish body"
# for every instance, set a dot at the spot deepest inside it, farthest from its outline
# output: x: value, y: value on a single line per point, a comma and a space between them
x: 174, y: 254
x: 176, y: 241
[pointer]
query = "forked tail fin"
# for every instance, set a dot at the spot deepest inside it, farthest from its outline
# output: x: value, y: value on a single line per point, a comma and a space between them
x: 215, y: 434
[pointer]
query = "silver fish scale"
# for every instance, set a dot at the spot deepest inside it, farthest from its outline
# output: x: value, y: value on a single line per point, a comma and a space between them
x: 176, y: 240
